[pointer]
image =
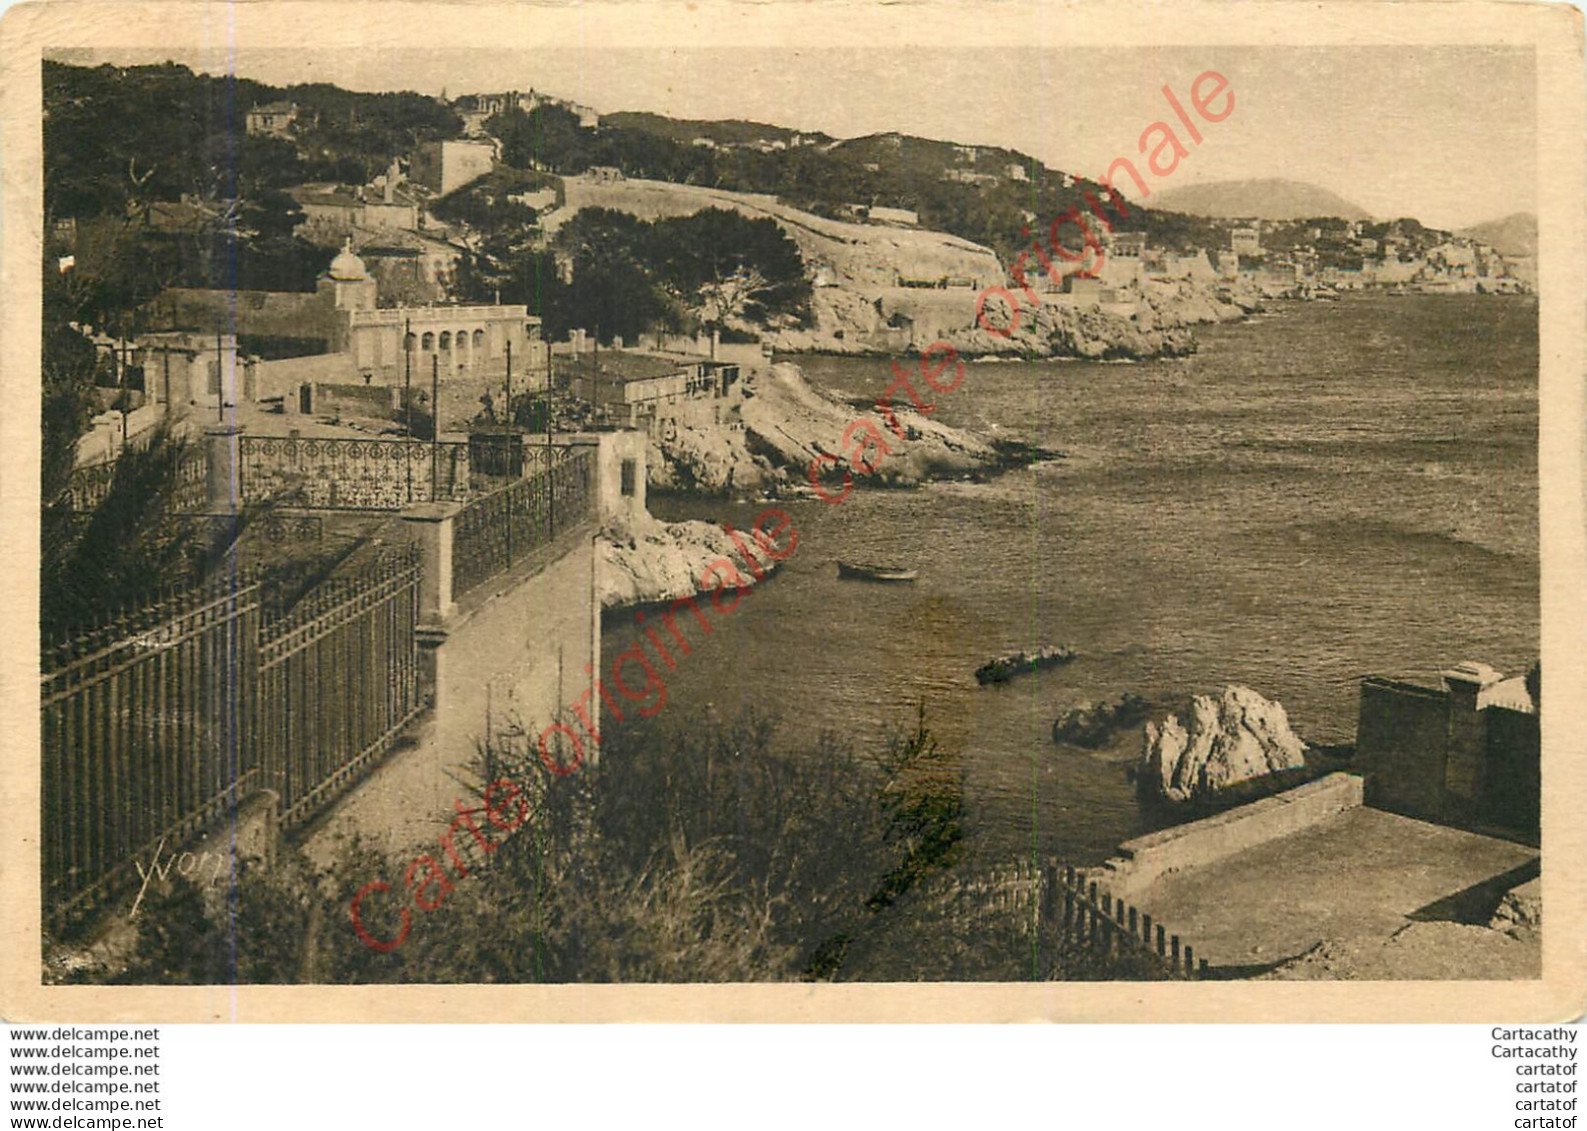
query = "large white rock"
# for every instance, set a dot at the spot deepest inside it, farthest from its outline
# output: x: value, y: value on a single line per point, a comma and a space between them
x: 645, y: 561
x: 1228, y: 738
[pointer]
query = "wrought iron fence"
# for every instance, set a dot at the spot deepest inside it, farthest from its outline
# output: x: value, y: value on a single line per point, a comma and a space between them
x: 157, y: 724
x: 90, y: 485
x: 501, y: 528
x: 339, y: 677
x: 144, y: 726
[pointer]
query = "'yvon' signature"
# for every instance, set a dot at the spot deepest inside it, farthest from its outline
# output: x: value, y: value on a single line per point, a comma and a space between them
x: 185, y: 863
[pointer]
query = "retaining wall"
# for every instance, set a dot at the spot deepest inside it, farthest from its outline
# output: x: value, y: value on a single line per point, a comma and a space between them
x: 1141, y: 861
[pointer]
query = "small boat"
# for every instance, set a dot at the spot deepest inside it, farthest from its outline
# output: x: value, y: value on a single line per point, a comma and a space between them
x: 862, y: 571
x: 1007, y: 667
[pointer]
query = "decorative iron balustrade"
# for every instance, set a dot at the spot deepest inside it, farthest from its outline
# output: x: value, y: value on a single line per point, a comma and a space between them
x: 343, y: 474
x: 90, y: 486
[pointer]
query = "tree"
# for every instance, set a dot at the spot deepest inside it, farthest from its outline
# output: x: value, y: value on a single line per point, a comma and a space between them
x: 547, y: 137
x: 723, y: 266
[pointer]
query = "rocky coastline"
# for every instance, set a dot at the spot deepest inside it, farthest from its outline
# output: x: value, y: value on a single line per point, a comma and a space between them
x: 784, y: 423
x: 846, y: 322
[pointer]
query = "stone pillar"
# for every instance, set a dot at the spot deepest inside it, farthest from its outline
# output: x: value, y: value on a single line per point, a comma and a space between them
x: 431, y: 525
x: 224, y: 478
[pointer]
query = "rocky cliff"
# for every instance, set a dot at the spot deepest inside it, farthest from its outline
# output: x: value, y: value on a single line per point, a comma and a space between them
x: 1228, y: 738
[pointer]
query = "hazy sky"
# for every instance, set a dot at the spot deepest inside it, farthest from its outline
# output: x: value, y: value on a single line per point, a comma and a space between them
x: 1446, y: 134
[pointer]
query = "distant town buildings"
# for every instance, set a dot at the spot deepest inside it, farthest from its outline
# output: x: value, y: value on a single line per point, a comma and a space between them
x: 477, y: 109
x: 1245, y: 241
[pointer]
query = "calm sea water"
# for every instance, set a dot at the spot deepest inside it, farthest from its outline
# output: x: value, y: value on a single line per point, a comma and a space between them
x: 1324, y: 492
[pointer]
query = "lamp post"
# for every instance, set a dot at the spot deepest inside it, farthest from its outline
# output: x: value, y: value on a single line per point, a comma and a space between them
x: 407, y: 399
x: 435, y: 426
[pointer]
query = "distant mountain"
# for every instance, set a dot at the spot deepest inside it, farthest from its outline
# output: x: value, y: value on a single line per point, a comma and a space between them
x: 1271, y: 199
x: 1515, y: 235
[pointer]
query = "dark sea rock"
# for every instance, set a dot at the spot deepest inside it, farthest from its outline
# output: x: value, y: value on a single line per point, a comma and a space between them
x: 1093, y: 725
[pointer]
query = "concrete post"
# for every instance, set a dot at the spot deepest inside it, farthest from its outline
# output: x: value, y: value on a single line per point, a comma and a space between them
x: 431, y: 526
x: 223, y: 481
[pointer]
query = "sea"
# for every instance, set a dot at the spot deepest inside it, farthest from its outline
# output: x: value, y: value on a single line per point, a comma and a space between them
x: 1322, y: 492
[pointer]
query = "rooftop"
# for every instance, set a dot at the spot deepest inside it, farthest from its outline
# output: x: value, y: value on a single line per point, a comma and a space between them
x: 632, y: 365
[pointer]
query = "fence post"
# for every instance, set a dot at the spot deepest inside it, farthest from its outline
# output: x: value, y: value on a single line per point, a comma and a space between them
x: 431, y: 524
x: 223, y: 480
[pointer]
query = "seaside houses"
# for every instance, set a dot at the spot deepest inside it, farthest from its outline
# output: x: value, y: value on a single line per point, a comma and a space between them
x: 333, y: 212
x: 644, y: 390
x: 1245, y: 241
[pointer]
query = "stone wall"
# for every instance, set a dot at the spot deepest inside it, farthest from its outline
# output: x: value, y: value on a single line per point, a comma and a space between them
x: 1400, y: 736
x: 295, y: 315
x: 513, y: 657
x: 1512, y: 783
x: 1143, y: 860
x: 1440, y: 756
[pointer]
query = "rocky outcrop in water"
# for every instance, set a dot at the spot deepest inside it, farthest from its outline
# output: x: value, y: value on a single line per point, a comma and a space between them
x: 1092, y: 725
x: 848, y: 322
x: 683, y: 458
x: 1225, y: 739
x: 649, y: 561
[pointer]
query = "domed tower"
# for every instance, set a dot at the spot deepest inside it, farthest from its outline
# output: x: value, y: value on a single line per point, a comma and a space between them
x: 347, y: 286
x: 350, y: 280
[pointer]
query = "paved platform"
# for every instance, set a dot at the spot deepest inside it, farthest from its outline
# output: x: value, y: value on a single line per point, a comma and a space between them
x: 1363, y: 873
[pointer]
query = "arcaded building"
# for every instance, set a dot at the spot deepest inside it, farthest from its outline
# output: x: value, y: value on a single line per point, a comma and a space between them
x: 343, y: 318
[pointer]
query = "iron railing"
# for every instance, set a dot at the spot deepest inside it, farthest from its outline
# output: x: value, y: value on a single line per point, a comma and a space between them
x: 493, y: 532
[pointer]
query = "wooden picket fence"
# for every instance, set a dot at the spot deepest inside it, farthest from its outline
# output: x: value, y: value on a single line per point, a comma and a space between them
x: 1070, y: 912
x: 1075, y: 907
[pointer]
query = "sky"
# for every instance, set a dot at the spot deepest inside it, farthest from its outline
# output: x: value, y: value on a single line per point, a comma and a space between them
x: 1444, y: 134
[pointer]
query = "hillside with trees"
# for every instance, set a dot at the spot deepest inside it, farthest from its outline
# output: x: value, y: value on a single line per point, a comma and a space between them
x: 715, y: 269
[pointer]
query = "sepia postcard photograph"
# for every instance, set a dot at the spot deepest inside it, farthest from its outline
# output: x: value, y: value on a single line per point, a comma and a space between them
x: 797, y: 511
